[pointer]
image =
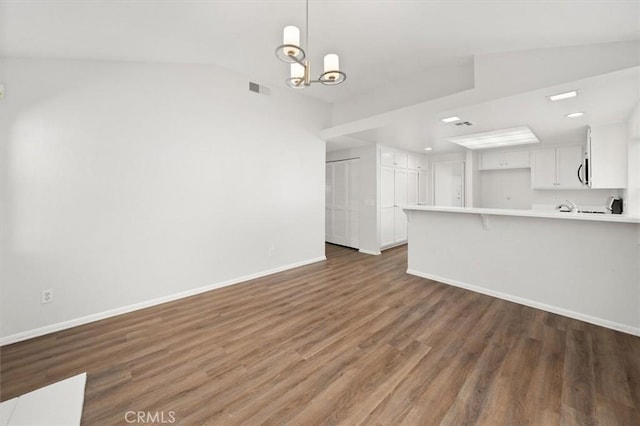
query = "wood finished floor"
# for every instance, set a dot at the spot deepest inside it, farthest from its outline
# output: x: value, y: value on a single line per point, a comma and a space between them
x: 353, y: 340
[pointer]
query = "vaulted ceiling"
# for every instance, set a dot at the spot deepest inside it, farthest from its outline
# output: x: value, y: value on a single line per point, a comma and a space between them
x: 378, y: 41
x: 382, y: 45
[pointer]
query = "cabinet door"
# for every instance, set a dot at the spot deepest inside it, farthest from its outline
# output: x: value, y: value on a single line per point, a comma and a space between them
x: 609, y: 156
x: 423, y: 191
x: 414, y: 162
x: 387, y: 187
x: 400, y: 225
x: 400, y: 187
x: 387, y: 156
x: 516, y: 159
x: 387, y: 225
x: 423, y: 163
x: 490, y: 160
x: 401, y: 159
x: 569, y: 159
x: 413, y: 186
x: 543, y: 172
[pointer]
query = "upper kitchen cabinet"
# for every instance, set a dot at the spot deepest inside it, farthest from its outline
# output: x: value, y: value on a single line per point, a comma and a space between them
x: 495, y: 160
x: 607, y: 154
x: 417, y: 162
x: 557, y: 168
x: 393, y: 158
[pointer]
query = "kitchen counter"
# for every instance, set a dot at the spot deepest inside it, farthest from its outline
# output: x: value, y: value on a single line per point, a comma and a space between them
x: 580, y: 265
x: 547, y: 214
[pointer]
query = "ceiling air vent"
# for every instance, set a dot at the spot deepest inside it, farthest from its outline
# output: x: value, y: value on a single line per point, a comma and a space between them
x: 464, y: 123
x: 256, y: 88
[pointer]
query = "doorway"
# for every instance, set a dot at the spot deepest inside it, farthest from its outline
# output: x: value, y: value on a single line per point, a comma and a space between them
x: 448, y: 184
x: 342, y: 200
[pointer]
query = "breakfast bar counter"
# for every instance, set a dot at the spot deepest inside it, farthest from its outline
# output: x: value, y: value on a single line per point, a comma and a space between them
x: 581, y: 265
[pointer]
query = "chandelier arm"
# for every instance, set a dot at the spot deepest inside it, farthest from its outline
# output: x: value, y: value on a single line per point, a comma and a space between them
x: 301, y: 62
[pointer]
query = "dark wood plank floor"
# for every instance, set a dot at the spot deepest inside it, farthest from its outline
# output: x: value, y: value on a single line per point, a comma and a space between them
x: 353, y: 340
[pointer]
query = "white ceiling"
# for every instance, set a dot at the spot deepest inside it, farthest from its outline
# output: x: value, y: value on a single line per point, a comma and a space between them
x: 378, y: 41
x: 604, y: 99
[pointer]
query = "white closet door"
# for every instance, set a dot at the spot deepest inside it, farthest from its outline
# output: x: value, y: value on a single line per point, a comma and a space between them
x: 342, y: 202
x: 328, y: 202
x: 354, y: 204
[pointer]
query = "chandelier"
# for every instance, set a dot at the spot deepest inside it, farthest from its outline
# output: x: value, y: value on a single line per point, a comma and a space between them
x: 291, y: 52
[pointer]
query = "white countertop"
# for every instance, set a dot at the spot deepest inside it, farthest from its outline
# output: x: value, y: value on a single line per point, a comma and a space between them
x: 528, y: 213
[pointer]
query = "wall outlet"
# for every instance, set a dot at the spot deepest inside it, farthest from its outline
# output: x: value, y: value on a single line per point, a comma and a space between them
x: 272, y: 251
x: 47, y: 296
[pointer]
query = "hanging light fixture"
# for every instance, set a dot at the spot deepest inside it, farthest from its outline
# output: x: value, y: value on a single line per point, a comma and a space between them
x: 291, y: 52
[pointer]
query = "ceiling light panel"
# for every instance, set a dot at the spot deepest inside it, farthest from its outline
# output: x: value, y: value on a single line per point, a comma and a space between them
x: 574, y: 114
x: 564, y: 95
x: 497, y: 138
x: 450, y: 119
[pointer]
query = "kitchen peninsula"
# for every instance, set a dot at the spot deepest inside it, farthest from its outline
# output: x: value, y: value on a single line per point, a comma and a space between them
x: 581, y: 265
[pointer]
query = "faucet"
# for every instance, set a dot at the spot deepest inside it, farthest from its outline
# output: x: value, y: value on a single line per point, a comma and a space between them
x: 572, y: 207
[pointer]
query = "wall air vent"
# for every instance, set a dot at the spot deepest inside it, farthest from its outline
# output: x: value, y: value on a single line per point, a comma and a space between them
x: 256, y: 88
x: 464, y: 123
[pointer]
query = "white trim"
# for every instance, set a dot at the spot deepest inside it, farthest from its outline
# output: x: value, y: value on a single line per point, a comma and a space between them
x: 527, y: 302
x: 377, y: 253
x: 52, y: 328
x: 392, y: 245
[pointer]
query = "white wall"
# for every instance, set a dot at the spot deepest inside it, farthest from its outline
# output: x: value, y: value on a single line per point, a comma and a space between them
x: 127, y: 182
x: 368, y: 206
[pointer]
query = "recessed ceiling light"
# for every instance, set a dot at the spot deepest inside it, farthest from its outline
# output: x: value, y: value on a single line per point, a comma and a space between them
x: 564, y: 95
x: 506, y: 137
x: 451, y: 119
x: 428, y: 148
x: 574, y: 114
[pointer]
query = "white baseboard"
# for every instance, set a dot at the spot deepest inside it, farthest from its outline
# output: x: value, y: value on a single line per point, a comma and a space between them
x: 401, y: 243
x: 527, y: 302
x: 18, y: 337
x: 371, y: 252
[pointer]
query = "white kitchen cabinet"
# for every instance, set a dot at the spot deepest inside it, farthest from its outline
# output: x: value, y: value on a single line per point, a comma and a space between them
x: 494, y: 160
x: 557, y: 168
x: 393, y: 196
x: 423, y: 190
x: 413, y: 187
x: 400, y: 193
x: 393, y: 158
x: 607, y: 152
x: 417, y: 162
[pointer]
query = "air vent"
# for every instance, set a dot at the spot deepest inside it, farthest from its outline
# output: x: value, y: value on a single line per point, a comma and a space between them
x: 256, y: 88
x: 464, y: 123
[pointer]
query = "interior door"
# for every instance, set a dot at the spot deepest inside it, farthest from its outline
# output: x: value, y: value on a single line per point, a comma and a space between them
x: 342, y: 201
x: 449, y: 184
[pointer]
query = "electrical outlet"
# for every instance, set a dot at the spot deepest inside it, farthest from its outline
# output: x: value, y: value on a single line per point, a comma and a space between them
x: 272, y: 251
x: 47, y: 296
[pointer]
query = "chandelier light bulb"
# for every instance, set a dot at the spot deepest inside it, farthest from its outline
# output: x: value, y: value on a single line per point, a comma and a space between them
x: 331, y: 65
x: 291, y: 36
x: 297, y: 71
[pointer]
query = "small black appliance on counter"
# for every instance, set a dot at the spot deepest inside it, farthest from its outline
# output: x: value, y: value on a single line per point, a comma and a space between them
x: 615, y: 205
